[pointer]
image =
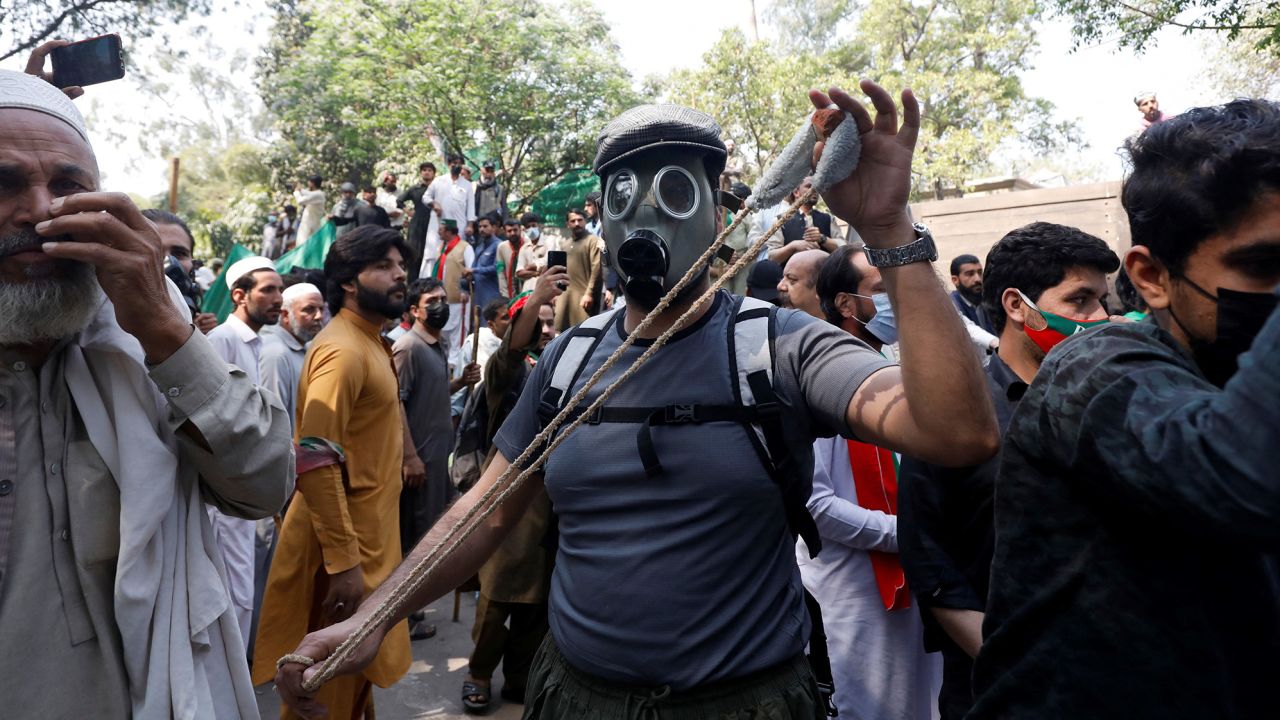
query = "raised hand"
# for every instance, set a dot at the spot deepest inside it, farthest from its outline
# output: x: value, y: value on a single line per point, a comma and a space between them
x: 873, y: 199
x: 35, y: 66
x: 107, y: 231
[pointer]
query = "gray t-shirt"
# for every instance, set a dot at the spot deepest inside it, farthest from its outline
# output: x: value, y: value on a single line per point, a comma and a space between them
x: 687, y: 577
x: 423, y: 371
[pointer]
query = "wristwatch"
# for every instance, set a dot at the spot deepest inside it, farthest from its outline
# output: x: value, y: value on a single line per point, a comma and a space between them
x: 923, y: 249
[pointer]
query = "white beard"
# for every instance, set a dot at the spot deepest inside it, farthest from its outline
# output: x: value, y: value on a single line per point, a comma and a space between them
x: 48, y: 308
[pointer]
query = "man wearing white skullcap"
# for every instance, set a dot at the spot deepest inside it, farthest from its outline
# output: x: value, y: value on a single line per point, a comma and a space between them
x: 117, y: 422
x: 256, y: 290
x: 284, y: 345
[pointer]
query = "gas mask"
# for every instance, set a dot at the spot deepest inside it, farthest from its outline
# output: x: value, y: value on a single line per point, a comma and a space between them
x: 659, y: 217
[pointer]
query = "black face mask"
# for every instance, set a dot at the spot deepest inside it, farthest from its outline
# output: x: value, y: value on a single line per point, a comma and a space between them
x: 437, y: 315
x: 1241, y: 316
x: 455, y: 170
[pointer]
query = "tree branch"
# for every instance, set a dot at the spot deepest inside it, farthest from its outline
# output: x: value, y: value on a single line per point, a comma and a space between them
x: 1189, y: 26
x: 52, y: 26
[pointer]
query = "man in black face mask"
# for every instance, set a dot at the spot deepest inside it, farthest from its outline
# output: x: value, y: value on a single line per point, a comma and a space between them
x: 1138, y: 501
x: 422, y: 364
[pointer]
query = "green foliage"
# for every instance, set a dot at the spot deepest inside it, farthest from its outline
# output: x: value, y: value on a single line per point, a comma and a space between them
x: 1137, y: 21
x: 809, y: 26
x: 351, y: 84
x: 1235, y: 68
x: 962, y: 58
x: 223, y: 195
x: 754, y: 91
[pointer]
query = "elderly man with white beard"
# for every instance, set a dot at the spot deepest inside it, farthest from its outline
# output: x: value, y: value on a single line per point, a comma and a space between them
x: 117, y: 424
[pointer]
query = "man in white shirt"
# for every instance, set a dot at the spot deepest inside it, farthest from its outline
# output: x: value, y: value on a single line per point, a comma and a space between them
x: 388, y: 199
x: 311, y: 201
x: 256, y: 292
x: 453, y: 195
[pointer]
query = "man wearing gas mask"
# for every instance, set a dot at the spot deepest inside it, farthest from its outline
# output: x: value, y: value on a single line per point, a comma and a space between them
x: 1139, y: 577
x: 675, y: 588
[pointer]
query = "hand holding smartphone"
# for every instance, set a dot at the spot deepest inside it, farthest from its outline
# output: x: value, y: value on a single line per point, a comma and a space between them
x: 559, y: 258
x: 88, y: 62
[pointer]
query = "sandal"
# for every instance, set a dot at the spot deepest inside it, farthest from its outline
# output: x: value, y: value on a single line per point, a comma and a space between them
x: 470, y: 690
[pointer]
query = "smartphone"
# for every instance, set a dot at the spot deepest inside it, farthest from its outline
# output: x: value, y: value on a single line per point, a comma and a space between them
x: 558, y: 258
x: 88, y: 62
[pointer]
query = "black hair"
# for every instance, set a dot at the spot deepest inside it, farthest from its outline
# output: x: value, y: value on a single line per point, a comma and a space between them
x: 530, y: 217
x: 836, y: 275
x: 315, y: 180
x: 494, y: 217
x: 452, y: 157
x: 421, y: 287
x: 289, y: 208
x: 740, y: 190
x: 493, y: 309
x: 512, y: 221
x: 1036, y: 257
x: 1196, y: 174
x: 960, y: 260
x: 162, y: 217
x: 369, y: 188
x: 575, y: 211
x: 426, y: 165
x: 354, y: 252
x: 593, y: 197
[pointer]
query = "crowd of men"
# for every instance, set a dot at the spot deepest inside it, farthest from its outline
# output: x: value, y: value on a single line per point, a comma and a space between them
x: 1035, y: 498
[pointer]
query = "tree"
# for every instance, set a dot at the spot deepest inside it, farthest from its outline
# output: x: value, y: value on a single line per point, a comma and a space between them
x: 1236, y: 68
x: 809, y: 26
x: 351, y: 83
x: 754, y: 90
x: 1137, y: 21
x: 28, y: 23
x: 962, y: 58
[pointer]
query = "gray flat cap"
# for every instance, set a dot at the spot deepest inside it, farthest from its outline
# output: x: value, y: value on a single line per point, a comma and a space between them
x: 649, y: 126
x: 347, y: 187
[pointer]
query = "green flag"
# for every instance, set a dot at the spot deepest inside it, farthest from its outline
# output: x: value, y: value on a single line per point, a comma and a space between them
x: 310, y: 254
x: 217, y: 299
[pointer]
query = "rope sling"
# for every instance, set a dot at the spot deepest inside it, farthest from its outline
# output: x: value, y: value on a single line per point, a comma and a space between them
x: 842, y: 152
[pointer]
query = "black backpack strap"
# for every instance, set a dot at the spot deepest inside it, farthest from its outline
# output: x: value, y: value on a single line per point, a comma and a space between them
x: 819, y: 661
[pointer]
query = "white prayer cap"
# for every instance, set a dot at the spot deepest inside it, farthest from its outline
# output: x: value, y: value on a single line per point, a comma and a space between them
x: 240, y: 268
x: 1145, y: 94
x: 28, y: 92
x: 293, y: 292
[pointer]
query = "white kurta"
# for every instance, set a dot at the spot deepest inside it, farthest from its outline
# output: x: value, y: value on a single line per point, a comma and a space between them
x: 239, y: 345
x: 878, y: 661
x: 312, y: 206
x: 457, y: 199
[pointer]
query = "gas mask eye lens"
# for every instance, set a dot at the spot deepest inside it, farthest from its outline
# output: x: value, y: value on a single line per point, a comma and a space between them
x: 621, y: 195
x: 677, y: 192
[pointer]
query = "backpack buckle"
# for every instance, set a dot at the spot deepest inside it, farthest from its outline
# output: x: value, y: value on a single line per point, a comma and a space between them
x: 679, y: 414
x: 594, y: 417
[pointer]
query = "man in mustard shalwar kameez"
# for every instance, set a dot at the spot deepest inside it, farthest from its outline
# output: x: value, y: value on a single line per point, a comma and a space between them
x: 341, y: 539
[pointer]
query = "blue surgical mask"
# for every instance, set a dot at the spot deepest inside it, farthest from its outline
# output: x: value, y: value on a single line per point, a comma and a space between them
x: 883, y: 324
x: 533, y: 234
